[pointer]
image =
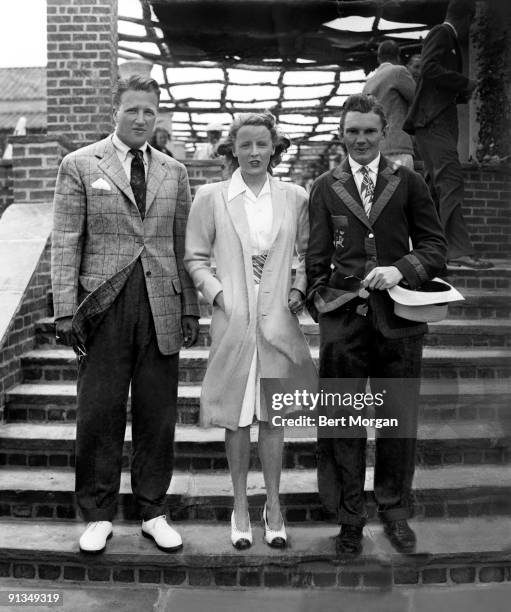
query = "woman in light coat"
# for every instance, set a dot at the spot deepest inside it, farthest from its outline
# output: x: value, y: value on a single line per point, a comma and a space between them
x: 251, y: 226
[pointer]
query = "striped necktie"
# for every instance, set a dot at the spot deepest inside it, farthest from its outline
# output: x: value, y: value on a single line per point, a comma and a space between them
x: 366, y: 190
x: 258, y: 262
x: 137, y: 180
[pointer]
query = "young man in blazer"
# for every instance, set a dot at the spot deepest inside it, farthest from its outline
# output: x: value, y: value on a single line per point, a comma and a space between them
x: 433, y: 119
x: 124, y: 302
x: 363, y: 215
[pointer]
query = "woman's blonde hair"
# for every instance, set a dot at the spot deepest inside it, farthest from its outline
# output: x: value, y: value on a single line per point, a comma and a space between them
x: 266, y: 119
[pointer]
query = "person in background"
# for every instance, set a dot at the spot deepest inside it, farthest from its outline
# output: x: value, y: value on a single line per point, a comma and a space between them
x: 251, y: 225
x: 209, y: 149
x: 433, y: 119
x: 393, y: 86
x: 413, y: 66
x: 160, y: 141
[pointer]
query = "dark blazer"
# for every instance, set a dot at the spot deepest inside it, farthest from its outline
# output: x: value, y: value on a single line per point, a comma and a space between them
x: 344, y: 243
x: 441, y: 83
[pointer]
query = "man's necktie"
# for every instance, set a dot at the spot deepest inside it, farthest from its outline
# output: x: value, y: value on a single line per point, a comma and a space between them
x: 367, y: 190
x: 138, y: 179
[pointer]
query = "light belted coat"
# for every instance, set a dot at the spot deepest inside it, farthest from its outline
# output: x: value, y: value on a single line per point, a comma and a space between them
x: 218, y: 229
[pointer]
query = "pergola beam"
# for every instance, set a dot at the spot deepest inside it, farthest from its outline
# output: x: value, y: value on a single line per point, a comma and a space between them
x: 283, y: 33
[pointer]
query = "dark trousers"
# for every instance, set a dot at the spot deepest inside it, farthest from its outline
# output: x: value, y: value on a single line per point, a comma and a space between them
x: 352, y: 348
x: 438, y: 147
x: 124, y: 350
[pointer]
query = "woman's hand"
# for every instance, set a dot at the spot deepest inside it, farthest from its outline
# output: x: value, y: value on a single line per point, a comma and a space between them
x: 219, y: 300
x: 295, y: 301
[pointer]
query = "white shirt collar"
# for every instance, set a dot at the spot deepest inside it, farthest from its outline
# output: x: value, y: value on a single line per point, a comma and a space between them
x: 373, y: 166
x: 238, y: 185
x: 123, y: 148
x: 450, y: 24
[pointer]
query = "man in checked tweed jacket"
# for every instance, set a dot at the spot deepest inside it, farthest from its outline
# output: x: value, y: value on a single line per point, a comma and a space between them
x: 124, y: 302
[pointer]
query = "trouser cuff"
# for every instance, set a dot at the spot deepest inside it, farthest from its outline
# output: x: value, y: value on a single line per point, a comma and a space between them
x: 395, y: 514
x: 151, y: 512
x: 344, y: 518
x: 91, y: 515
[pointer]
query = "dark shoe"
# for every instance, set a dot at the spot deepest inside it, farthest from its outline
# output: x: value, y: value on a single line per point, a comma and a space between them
x: 400, y: 535
x: 470, y: 261
x: 349, y: 540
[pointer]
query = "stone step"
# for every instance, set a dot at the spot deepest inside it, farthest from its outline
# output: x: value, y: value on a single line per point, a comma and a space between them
x: 478, y: 304
x: 470, y: 333
x: 441, y: 400
x: 85, y: 595
x: 446, y: 491
x: 463, y: 278
x: 484, y: 305
x: 449, y: 443
x: 498, y: 277
x: 59, y: 364
x: 449, y: 552
x: 451, y: 332
x: 448, y: 333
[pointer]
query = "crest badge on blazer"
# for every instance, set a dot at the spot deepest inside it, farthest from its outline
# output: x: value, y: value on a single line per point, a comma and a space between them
x: 339, y: 238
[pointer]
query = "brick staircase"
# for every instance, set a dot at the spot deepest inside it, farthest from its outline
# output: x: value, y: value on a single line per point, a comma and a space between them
x: 462, y: 483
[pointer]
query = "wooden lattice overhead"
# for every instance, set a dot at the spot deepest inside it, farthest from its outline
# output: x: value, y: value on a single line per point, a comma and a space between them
x: 298, y: 58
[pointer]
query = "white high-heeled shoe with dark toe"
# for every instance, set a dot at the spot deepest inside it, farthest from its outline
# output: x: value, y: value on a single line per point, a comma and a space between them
x: 276, y: 538
x: 241, y: 540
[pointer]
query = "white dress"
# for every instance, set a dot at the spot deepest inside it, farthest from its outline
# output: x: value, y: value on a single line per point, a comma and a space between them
x: 259, y: 211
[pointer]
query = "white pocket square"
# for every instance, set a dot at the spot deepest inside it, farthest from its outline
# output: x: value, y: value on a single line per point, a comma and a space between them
x: 100, y: 183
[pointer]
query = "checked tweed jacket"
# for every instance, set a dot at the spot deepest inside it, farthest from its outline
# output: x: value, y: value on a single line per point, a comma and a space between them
x: 98, y: 236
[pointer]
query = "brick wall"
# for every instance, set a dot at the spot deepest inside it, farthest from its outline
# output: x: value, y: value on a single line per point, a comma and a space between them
x: 203, y: 171
x: 6, y: 196
x: 487, y: 210
x: 20, y: 336
x: 36, y: 161
x: 82, y: 67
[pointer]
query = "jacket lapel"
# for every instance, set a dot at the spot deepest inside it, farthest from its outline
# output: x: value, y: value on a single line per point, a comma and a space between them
x: 112, y: 167
x: 155, y: 176
x: 385, y: 187
x: 279, y: 203
x: 347, y: 191
x: 236, y: 211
